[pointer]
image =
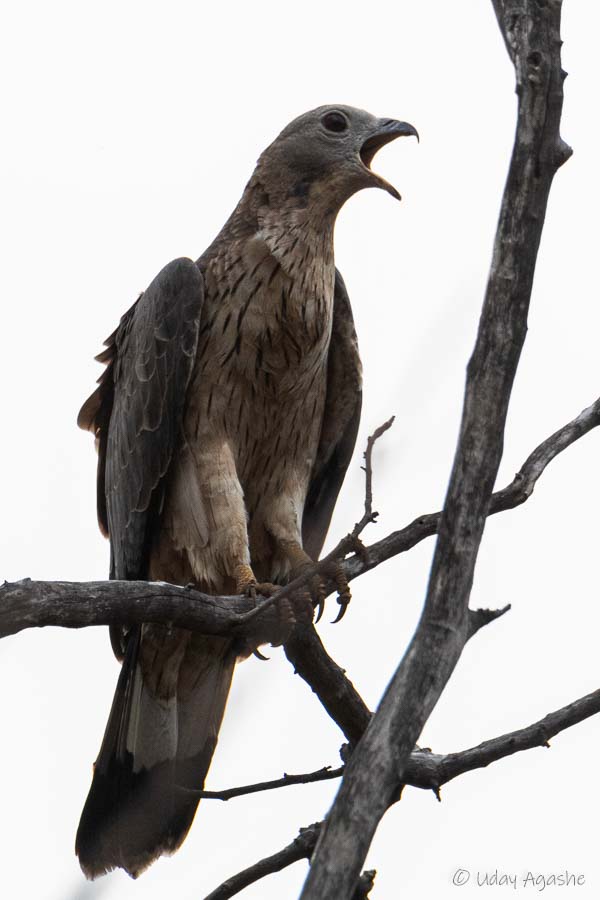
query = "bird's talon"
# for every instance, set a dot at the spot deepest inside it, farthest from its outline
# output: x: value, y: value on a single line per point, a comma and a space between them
x: 259, y: 655
x: 343, y: 589
x: 343, y: 600
x: 317, y: 596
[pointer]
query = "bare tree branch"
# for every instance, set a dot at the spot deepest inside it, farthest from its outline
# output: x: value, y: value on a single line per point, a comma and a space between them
x: 29, y: 604
x: 34, y: 604
x: 424, y: 770
x: 516, y: 493
x: 430, y: 771
x: 377, y: 765
x: 328, y: 681
x: 324, y: 774
x: 301, y: 847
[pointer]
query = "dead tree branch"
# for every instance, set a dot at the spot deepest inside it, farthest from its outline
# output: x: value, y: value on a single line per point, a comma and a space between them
x: 423, y: 770
x: 301, y: 847
x: 29, y: 604
x: 328, y: 681
x: 369, y: 515
x: 532, y: 31
x: 324, y: 774
x: 430, y: 771
x: 34, y: 604
x: 517, y: 492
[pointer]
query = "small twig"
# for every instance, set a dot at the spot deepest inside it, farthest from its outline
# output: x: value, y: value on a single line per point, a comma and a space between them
x: 287, y: 591
x: 517, y: 492
x: 369, y: 515
x: 324, y: 774
x: 301, y: 848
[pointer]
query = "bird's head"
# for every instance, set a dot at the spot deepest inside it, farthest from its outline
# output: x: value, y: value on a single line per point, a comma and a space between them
x: 324, y: 156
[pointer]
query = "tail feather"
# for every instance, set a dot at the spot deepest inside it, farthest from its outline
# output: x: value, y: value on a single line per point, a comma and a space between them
x: 158, y: 745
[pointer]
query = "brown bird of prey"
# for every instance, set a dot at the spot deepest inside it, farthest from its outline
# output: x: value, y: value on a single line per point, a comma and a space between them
x: 224, y: 421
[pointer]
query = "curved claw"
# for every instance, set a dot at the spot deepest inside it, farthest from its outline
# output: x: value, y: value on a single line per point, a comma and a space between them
x: 259, y: 655
x: 320, y: 608
x: 343, y: 601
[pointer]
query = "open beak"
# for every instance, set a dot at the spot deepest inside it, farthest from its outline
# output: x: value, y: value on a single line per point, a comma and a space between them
x: 386, y: 130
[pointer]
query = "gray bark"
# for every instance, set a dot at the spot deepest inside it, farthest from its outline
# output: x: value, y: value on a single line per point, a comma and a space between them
x: 531, y: 30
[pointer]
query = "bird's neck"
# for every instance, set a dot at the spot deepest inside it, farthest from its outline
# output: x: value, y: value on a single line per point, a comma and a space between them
x: 293, y: 227
x: 297, y: 238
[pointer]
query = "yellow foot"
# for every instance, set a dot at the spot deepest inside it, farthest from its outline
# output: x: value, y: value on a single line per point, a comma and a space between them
x: 288, y: 611
x: 246, y: 583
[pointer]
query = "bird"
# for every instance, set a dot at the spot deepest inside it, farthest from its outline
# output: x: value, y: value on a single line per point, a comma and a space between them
x: 224, y: 421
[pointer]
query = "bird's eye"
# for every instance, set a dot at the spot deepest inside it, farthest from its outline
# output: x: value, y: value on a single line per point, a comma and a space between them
x: 335, y: 121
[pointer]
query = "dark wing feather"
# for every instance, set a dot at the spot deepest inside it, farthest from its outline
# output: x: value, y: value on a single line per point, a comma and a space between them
x: 137, y: 411
x: 340, y: 423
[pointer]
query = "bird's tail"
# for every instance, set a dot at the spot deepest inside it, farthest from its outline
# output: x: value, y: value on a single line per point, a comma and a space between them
x: 159, y: 740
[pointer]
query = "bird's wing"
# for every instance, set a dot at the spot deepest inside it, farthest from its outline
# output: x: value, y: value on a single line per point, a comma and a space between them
x: 340, y: 423
x: 137, y: 411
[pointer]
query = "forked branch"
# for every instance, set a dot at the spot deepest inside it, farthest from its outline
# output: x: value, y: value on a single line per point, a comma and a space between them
x: 424, y: 770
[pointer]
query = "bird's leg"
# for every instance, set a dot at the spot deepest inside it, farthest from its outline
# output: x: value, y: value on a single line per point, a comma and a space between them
x: 300, y: 563
x: 246, y: 583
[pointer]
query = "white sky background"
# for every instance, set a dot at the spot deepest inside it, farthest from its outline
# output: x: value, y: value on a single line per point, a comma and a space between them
x: 130, y: 130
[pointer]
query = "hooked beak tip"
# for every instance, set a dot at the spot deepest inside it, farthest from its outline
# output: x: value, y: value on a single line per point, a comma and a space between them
x: 386, y: 131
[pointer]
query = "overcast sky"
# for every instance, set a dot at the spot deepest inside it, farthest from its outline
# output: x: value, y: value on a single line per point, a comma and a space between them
x: 130, y: 130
